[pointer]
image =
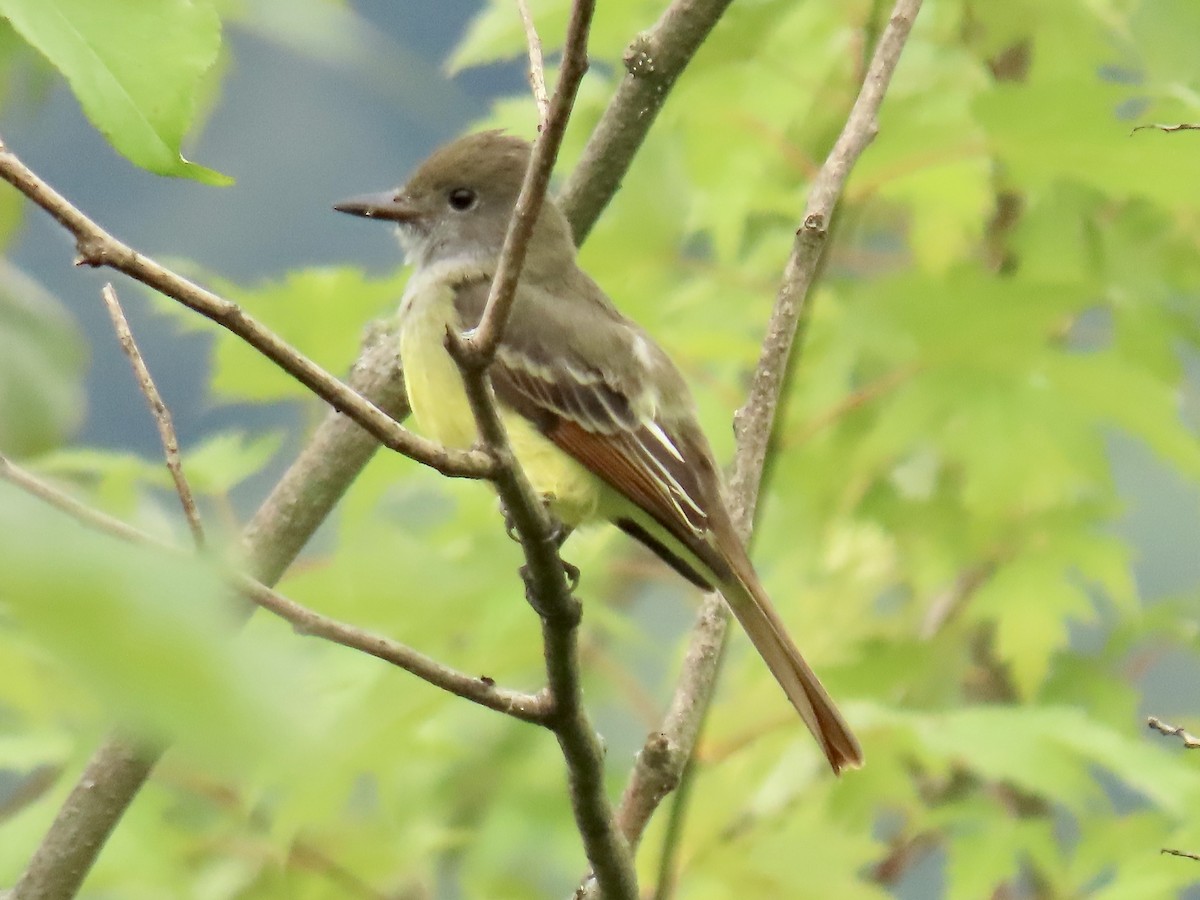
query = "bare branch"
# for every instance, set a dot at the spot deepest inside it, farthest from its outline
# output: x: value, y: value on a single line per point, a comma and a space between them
x: 533, y: 191
x: 755, y: 420
x: 158, y: 409
x: 537, y: 68
x: 114, y: 774
x: 93, y: 518
x: 97, y: 247
x: 947, y: 604
x: 481, y: 690
x: 1168, y: 129
x: 653, y: 62
x: 328, y: 464
x: 662, y: 759
x: 478, y: 689
x: 301, y: 500
x: 1191, y: 742
x: 1186, y: 854
x: 546, y: 582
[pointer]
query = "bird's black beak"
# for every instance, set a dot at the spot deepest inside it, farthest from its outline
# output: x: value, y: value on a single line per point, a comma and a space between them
x: 392, y: 206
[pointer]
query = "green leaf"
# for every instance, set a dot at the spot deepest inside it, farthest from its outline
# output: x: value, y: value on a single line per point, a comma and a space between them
x: 148, y: 631
x: 224, y: 460
x: 215, y: 466
x: 1030, y: 601
x: 112, y: 477
x: 985, y: 850
x: 496, y: 33
x: 1163, y: 31
x: 321, y: 312
x: 1049, y: 751
x: 136, y: 67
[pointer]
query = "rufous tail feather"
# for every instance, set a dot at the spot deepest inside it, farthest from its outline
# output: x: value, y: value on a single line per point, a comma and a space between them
x: 758, y: 618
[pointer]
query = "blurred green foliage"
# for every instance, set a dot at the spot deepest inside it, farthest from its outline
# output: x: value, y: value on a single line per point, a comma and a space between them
x: 136, y: 68
x: 1012, y: 285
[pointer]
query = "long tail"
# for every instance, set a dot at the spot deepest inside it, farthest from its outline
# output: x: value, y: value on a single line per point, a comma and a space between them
x: 757, y: 616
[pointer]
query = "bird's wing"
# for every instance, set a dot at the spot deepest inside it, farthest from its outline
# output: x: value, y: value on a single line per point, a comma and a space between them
x: 557, y: 372
x: 633, y: 426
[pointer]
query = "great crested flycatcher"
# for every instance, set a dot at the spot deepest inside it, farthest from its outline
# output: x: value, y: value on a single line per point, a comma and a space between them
x: 599, y: 417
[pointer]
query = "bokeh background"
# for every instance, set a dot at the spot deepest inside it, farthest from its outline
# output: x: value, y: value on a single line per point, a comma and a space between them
x: 315, y: 101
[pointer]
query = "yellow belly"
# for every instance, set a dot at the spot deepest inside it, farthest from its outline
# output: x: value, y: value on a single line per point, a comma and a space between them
x: 439, y: 404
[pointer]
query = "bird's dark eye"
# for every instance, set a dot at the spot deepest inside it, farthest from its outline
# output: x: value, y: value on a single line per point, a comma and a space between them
x: 462, y: 199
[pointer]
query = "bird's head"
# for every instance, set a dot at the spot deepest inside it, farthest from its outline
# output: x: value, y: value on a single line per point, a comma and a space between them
x: 457, y: 204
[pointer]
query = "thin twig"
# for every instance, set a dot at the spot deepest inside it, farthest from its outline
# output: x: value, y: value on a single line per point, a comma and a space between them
x: 1179, y: 126
x: 537, y: 67
x: 533, y: 708
x: 93, y: 518
x: 1186, y: 854
x: 481, y: 690
x: 96, y: 247
x: 653, y: 62
x: 160, y: 412
x: 754, y: 421
x: 668, y: 865
x: 948, y: 603
x: 546, y: 579
x: 503, y: 290
x: 660, y: 762
x: 297, y: 505
x: 854, y: 400
x: 1190, y: 741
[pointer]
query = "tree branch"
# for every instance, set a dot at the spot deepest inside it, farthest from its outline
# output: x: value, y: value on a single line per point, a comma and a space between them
x: 285, y: 521
x: 1186, y: 854
x: 81, y: 512
x: 97, y: 248
x: 1190, y: 741
x: 546, y: 582
x: 662, y: 759
x: 537, y: 67
x: 534, y: 708
x: 653, y: 62
x: 160, y: 412
x: 111, y: 779
x: 481, y: 690
x: 503, y: 290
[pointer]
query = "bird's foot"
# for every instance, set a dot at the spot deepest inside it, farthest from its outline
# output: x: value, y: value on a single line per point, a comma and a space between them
x: 534, y: 597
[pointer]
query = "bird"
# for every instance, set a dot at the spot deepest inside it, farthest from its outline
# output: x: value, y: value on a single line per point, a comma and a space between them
x: 600, y: 419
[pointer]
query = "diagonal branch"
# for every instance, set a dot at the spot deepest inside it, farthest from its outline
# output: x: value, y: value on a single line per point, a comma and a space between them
x: 661, y: 761
x: 1190, y: 741
x: 160, y: 412
x: 97, y: 248
x: 299, y: 503
x: 534, y: 708
x: 533, y: 190
x: 481, y: 690
x: 537, y: 67
x: 653, y: 62
x: 81, y: 512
